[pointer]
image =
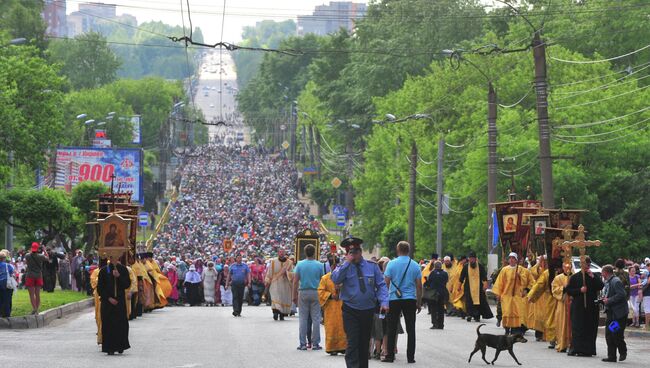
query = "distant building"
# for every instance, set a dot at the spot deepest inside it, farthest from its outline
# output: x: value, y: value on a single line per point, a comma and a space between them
x: 54, y: 16
x: 331, y: 18
x: 91, y: 15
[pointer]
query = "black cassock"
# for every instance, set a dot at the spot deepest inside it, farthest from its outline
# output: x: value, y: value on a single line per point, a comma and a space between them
x: 115, y: 322
x: 584, y: 321
x: 483, y: 309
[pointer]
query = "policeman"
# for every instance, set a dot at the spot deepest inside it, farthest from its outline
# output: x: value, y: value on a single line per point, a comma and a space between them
x: 363, y: 291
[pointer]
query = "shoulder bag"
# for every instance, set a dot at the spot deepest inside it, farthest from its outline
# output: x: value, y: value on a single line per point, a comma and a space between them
x: 398, y: 292
x: 11, y: 281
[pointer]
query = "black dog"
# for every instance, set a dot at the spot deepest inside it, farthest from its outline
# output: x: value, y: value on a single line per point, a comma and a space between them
x: 499, y: 342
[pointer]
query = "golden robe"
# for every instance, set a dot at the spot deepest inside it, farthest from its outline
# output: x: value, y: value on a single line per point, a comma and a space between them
x: 544, y: 306
x: 509, y: 287
x: 160, y: 281
x: 457, y: 292
x: 335, y: 338
x: 132, y: 291
x: 279, y: 278
x: 94, y: 277
x: 145, y: 295
x: 562, y: 320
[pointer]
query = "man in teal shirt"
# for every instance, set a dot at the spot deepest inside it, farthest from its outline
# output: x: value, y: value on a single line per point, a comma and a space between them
x: 306, y: 279
x: 404, y: 277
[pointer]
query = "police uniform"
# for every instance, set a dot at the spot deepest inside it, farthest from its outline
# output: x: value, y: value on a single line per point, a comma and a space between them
x: 362, y: 289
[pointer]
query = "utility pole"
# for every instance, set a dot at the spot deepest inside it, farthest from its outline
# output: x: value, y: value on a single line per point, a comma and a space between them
x: 349, y: 200
x: 319, y: 165
x: 311, y: 145
x: 412, y: 188
x: 545, y: 160
x: 303, y: 150
x: 492, y: 160
x: 292, y: 127
x: 9, y: 229
x: 440, y: 188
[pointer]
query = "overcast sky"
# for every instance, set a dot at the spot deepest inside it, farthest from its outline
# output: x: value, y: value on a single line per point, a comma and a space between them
x: 207, y: 14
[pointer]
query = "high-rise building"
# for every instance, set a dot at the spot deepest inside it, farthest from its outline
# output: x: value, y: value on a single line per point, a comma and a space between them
x: 54, y: 16
x: 92, y: 15
x: 331, y: 18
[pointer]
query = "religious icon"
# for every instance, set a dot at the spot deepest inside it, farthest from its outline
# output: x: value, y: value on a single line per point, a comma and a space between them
x: 540, y: 227
x: 114, y: 234
x: 509, y: 223
x: 525, y: 220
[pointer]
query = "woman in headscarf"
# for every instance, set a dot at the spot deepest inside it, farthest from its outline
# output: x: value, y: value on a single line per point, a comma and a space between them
x: 209, y: 277
x: 192, y: 282
x: 172, y: 275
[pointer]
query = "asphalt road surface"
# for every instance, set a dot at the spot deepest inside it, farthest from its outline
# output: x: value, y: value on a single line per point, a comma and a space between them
x: 216, y: 95
x: 212, y: 337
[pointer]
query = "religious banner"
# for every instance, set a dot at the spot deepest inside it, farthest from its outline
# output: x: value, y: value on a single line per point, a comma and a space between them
x: 114, y: 237
x: 303, y: 239
x: 513, y: 221
x: 227, y: 245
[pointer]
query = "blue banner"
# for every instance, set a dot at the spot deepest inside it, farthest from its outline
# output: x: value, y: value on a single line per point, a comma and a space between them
x: 77, y: 164
x: 495, y: 229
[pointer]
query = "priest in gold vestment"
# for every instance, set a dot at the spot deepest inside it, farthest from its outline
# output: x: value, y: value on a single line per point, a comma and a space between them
x: 328, y: 298
x: 511, y: 287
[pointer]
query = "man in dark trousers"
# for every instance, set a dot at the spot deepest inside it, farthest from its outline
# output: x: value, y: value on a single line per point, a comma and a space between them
x: 615, y: 300
x: 362, y: 288
x: 584, y: 311
x: 405, y: 279
x: 474, y: 278
x: 112, y: 282
x: 437, y: 281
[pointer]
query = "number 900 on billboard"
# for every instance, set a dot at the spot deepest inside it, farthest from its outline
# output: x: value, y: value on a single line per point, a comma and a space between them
x: 78, y: 164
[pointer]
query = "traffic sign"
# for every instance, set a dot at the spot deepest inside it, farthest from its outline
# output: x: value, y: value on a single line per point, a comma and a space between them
x: 309, y: 171
x: 144, y: 219
x: 336, y: 182
x: 340, y: 220
x: 285, y: 145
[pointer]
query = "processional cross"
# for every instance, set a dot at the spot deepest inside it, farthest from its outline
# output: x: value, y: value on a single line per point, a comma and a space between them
x: 582, y: 244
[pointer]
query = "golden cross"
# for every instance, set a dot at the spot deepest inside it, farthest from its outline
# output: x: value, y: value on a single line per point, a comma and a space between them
x: 582, y: 244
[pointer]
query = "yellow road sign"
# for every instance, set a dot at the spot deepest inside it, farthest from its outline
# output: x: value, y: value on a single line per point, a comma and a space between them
x: 336, y: 183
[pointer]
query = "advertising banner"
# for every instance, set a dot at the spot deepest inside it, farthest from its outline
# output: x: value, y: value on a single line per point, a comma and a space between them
x: 77, y: 164
x: 135, y: 124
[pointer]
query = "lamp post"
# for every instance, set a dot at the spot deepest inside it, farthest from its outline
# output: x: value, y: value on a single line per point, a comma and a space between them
x: 492, y: 149
x: 412, y: 176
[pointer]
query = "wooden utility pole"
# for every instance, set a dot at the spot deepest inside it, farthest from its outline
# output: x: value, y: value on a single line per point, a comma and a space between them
x: 440, y: 195
x: 318, y: 161
x: 492, y: 160
x: 545, y: 159
x: 412, y: 189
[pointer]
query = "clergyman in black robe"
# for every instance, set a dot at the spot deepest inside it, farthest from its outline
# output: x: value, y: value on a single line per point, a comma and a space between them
x: 111, y: 285
x: 584, y: 320
x: 482, y: 308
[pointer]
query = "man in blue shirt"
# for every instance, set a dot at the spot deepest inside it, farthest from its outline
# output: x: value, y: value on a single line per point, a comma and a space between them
x: 404, y: 277
x: 306, y: 278
x: 363, y: 289
x: 239, y: 277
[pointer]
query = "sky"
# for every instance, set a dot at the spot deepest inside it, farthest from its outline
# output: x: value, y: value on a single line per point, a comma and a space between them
x: 207, y: 14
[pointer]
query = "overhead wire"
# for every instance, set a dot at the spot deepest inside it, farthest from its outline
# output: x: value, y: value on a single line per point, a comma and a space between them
x: 509, y: 106
x: 187, y: 60
x: 600, y: 76
x: 602, y: 133
x: 587, y: 103
x: 605, y: 121
x: 601, y: 60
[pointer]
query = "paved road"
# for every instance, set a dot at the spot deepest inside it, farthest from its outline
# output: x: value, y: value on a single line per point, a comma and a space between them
x: 212, y: 337
x: 216, y: 95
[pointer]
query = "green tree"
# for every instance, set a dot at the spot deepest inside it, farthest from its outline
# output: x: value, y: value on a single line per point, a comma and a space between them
x: 22, y: 19
x: 47, y: 212
x: 86, y: 61
x: 83, y: 195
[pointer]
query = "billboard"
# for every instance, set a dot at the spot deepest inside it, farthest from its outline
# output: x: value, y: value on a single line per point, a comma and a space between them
x: 135, y: 125
x: 77, y: 164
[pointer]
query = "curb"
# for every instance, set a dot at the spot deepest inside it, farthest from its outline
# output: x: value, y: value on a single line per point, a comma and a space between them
x: 46, y: 317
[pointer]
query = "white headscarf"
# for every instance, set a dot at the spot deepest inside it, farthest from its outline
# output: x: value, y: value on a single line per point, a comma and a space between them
x: 192, y: 276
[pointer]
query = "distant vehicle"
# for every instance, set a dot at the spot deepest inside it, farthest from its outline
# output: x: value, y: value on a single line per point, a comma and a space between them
x: 240, y: 136
x: 214, y: 88
x: 206, y: 94
x: 596, y: 269
x: 212, y: 105
x: 219, y: 91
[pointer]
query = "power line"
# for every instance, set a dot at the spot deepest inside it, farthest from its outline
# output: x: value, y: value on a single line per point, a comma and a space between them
x: 585, y: 125
x: 603, y: 86
x: 602, y: 99
x: 518, y: 101
x: 602, y: 133
x: 601, y: 60
x: 631, y: 68
x: 602, y: 141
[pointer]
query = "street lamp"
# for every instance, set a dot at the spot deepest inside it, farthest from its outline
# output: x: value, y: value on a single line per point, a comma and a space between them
x: 492, y: 149
x: 81, y: 116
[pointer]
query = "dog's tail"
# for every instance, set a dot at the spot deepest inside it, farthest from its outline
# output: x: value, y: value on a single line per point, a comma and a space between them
x: 479, y: 327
